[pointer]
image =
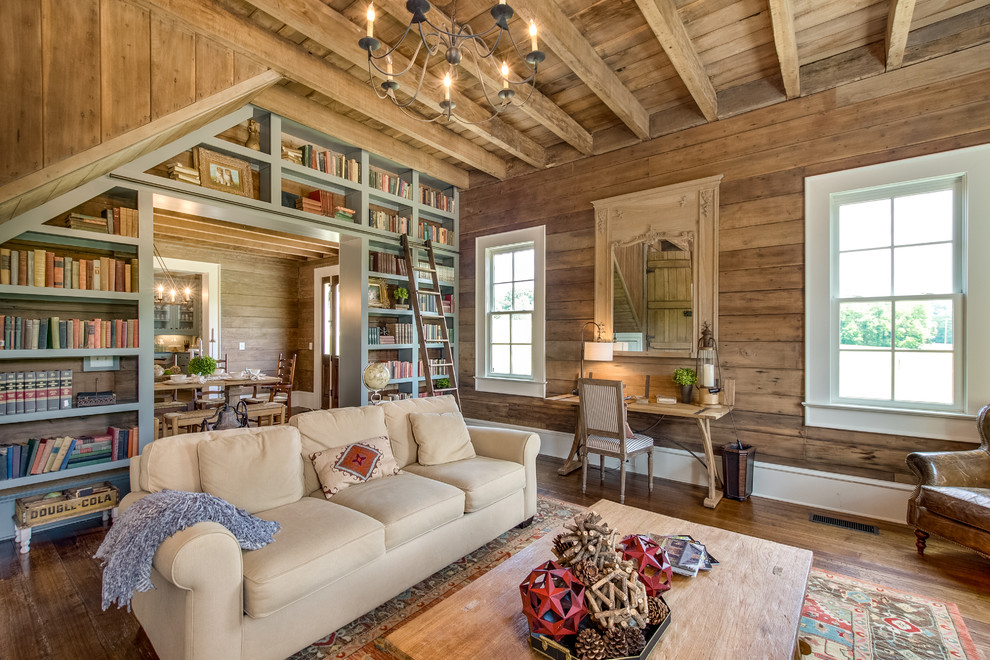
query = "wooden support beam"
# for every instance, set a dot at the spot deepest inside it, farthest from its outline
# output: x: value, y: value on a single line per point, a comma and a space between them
x: 536, y: 105
x: 785, y: 40
x: 898, y: 26
x: 307, y: 112
x: 231, y: 236
x: 35, y: 189
x: 569, y: 44
x: 661, y: 16
x: 333, y: 31
x: 294, y: 62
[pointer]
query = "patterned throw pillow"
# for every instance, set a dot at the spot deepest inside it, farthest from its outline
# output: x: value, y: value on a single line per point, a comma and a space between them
x: 340, y: 467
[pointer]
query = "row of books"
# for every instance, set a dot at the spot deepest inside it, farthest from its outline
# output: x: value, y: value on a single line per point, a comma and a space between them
x: 19, y: 333
x: 389, y: 182
x: 434, y: 232
x: 325, y: 160
x: 44, y: 268
x: 387, y: 220
x: 436, y: 198
x: 35, y: 391
x: 324, y: 202
x: 393, y: 264
x: 118, y: 220
x: 42, y: 455
x: 432, y: 332
x: 391, y: 333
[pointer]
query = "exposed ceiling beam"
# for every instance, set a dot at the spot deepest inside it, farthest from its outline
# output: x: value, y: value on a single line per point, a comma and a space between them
x: 661, y: 16
x: 333, y: 31
x: 580, y: 56
x: 273, y: 51
x: 898, y: 27
x: 536, y: 106
x: 235, y: 236
x: 307, y: 112
x: 785, y: 39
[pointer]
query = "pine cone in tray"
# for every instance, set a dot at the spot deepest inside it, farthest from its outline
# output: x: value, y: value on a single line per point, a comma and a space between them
x: 590, y: 645
x: 615, y: 643
x: 560, y: 546
x: 635, y: 641
x: 587, y: 572
x: 658, y: 610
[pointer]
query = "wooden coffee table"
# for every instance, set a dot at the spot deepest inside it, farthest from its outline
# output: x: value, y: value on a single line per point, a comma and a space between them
x: 749, y: 606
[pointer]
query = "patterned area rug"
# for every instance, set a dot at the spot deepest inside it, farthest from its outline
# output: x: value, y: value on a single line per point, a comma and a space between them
x: 848, y: 619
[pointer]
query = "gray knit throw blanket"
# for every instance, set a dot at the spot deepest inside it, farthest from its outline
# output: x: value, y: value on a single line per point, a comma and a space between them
x: 130, y: 545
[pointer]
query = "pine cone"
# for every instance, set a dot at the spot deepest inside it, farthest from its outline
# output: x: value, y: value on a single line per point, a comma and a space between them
x: 589, y: 645
x: 658, y: 610
x: 615, y: 643
x: 587, y: 572
x: 635, y: 641
x: 560, y: 546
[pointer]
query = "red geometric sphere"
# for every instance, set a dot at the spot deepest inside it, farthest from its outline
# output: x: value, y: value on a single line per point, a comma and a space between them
x: 652, y: 564
x: 553, y: 601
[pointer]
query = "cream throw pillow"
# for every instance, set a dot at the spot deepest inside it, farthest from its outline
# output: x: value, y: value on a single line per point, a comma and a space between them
x: 340, y: 467
x: 442, y: 437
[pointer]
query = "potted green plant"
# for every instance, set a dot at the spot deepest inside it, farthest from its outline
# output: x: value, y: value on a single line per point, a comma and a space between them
x: 202, y: 365
x: 686, y: 378
x: 401, y: 294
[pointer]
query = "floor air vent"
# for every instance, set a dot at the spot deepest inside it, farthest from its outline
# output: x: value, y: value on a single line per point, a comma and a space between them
x: 844, y: 524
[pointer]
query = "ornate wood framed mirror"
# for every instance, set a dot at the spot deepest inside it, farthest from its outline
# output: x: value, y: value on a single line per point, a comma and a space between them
x: 656, y: 267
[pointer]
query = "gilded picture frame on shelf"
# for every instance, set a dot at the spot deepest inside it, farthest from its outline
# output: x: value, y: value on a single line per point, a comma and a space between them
x: 224, y: 173
x: 377, y: 293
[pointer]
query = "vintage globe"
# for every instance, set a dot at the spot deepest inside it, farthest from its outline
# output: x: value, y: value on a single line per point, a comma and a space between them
x: 376, y: 376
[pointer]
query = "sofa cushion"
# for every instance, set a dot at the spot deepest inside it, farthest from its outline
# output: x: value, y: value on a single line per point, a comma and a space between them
x: 323, y: 429
x: 484, y: 480
x: 252, y: 468
x: 399, y: 429
x: 407, y: 504
x: 319, y: 543
x: 355, y: 463
x: 440, y: 437
x: 965, y: 505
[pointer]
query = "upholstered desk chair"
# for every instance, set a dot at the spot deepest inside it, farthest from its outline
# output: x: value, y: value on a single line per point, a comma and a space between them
x: 952, y: 499
x: 603, y: 429
x: 212, y: 396
x: 282, y: 391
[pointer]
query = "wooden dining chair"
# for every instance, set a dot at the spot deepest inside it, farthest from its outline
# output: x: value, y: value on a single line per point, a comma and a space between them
x: 281, y: 392
x: 212, y: 396
x: 604, y: 431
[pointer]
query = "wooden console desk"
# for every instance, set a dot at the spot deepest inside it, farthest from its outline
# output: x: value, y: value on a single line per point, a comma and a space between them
x: 701, y: 414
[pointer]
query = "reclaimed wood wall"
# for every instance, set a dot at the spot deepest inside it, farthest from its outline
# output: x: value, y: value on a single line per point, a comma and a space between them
x: 764, y: 156
x: 76, y: 73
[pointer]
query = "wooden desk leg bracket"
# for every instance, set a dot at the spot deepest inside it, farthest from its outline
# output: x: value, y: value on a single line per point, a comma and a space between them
x: 714, y: 482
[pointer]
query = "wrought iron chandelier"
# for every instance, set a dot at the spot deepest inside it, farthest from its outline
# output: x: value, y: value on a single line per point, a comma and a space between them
x: 453, y: 43
x: 175, y: 293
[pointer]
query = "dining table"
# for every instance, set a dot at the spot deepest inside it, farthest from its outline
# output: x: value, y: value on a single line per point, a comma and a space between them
x: 227, y: 416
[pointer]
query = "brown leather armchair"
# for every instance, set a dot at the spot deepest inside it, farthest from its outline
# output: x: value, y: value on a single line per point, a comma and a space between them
x: 952, y: 499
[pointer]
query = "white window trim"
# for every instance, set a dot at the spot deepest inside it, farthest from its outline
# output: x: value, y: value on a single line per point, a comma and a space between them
x: 536, y: 385
x: 819, y: 408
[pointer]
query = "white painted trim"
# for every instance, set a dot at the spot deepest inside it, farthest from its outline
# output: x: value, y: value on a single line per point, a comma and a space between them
x: 210, y: 312
x: 855, y: 496
x: 318, y: 275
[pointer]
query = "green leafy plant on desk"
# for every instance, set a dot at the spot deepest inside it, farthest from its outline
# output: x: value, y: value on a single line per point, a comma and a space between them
x: 202, y: 365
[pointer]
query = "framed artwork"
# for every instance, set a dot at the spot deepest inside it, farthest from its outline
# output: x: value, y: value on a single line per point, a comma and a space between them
x: 220, y: 172
x: 377, y: 293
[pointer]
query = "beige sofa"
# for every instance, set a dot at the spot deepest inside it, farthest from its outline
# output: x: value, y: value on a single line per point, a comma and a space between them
x: 333, y: 560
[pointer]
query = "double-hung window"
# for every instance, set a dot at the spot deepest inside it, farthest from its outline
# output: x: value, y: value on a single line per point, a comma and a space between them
x: 510, y: 313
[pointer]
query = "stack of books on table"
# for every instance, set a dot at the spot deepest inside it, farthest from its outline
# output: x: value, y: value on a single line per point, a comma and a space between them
x: 183, y: 173
x: 686, y: 555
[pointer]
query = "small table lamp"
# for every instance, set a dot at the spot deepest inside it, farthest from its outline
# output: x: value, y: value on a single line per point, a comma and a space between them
x: 598, y: 350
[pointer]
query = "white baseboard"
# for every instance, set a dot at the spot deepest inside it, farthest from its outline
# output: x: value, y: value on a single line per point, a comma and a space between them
x: 305, y: 400
x: 856, y: 496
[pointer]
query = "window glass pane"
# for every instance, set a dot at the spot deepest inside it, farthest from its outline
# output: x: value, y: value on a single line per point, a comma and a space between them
x: 864, y: 324
x: 864, y: 225
x: 501, y: 297
x: 500, y: 329
x: 864, y: 375
x: 863, y: 274
x: 923, y: 377
x: 522, y: 328
x: 923, y: 269
x: 502, y: 267
x: 925, y: 218
x: 500, y: 359
x: 524, y: 295
x: 923, y: 325
x: 524, y: 263
x: 522, y: 360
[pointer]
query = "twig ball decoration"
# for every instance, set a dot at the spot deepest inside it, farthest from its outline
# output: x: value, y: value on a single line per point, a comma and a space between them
x: 587, y: 539
x: 553, y: 601
x: 652, y: 564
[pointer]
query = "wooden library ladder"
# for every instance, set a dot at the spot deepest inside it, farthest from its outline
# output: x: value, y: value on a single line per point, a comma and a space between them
x: 433, y: 301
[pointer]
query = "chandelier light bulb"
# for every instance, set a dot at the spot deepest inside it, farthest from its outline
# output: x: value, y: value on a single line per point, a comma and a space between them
x: 505, y: 75
x: 446, y: 86
x: 532, y: 34
x: 371, y: 20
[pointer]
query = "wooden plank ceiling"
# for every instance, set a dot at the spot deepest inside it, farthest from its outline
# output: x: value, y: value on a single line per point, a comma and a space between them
x: 617, y: 72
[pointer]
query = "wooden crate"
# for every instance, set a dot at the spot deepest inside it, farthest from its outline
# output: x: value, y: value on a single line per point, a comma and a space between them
x: 41, y: 509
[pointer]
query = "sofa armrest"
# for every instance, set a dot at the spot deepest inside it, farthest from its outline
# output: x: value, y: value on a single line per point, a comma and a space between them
x: 967, y: 469
x: 510, y: 445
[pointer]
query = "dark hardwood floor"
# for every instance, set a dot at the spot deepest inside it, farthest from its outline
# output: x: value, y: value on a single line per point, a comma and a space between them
x: 50, y: 599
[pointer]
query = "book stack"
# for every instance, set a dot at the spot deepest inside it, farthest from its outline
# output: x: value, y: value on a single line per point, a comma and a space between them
x: 309, y: 205
x: 686, y: 555
x: 343, y: 213
x: 180, y: 172
x: 23, y: 392
x: 19, y: 333
x: 292, y: 155
x: 44, y: 268
x: 447, y: 301
x: 43, y: 455
x: 87, y: 223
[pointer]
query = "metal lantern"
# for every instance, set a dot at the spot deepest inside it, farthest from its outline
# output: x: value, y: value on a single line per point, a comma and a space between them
x: 553, y: 601
x: 707, y: 367
x: 652, y: 565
